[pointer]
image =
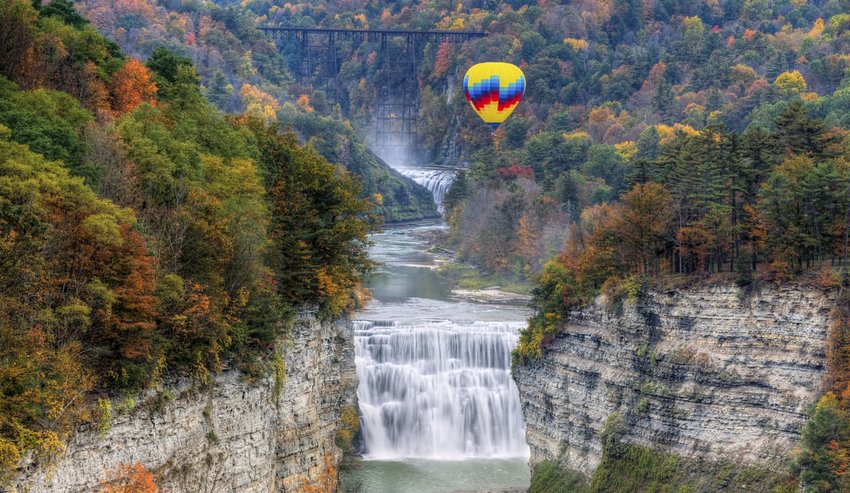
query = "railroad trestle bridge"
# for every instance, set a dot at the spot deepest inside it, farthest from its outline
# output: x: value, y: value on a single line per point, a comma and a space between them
x: 397, y: 106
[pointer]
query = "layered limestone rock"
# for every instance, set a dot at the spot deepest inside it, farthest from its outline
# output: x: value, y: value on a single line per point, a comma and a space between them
x: 232, y: 437
x: 707, y: 372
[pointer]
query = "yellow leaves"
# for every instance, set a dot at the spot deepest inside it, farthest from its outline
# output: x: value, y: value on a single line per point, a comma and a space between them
x: 743, y: 74
x: 360, y: 21
x: 259, y: 103
x: 626, y: 150
x: 279, y: 367
x: 349, y: 424
x: 576, y: 44
x: 103, y: 228
x: 75, y: 313
x: 667, y: 133
x: 693, y: 23
x: 817, y: 27
x: 576, y: 135
x: 450, y: 23
x: 9, y: 457
x: 791, y: 83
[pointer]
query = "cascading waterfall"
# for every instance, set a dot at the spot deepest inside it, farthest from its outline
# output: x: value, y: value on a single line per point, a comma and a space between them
x: 438, y: 390
x: 436, y: 180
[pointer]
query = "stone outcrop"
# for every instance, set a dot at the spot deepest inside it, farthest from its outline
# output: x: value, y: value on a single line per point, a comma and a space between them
x: 710, y: 373
x: 230, y: 437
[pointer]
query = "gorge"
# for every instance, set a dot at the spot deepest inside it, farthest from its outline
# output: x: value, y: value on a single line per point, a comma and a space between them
x: 439, y: 409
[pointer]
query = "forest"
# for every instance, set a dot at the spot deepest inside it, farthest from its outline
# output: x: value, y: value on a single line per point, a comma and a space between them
x: 658, y: 140
x: 144, y: 234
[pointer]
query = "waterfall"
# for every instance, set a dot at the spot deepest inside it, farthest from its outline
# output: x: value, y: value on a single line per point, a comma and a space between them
x: 436, y: 180
x: 438, y: 389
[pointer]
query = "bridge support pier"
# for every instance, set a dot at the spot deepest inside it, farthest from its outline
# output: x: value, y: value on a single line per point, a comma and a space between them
x: 397, y: 108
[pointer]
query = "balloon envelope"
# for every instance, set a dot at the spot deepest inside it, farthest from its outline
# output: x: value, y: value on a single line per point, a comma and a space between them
x: 494, y: 89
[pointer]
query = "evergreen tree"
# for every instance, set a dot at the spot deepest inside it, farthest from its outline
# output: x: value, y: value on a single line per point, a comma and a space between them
x: 798, y: 133
x: 457, y: 193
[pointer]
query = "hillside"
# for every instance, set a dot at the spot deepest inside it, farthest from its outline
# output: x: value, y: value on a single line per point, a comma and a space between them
x: 241, y: 70
x: 145, y: 235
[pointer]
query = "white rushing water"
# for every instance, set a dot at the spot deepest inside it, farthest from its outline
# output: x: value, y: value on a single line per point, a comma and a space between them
x: 436, y: 180
x: 438, y: 390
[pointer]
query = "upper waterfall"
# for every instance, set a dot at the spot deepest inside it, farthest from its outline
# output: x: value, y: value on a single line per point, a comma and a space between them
x: 436, y: 180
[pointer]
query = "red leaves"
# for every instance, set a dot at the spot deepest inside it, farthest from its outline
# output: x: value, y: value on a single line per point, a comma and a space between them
x: 515, y: 171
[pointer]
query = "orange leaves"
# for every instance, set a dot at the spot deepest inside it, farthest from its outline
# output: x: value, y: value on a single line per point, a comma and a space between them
x: 135, y: 313
x: 644, y: 219
x: 442, y: 61
x: 326, y: 481
x: 304, y: 102
x: 259, y: 103
x: 130, y: 479
x: 131, y: 86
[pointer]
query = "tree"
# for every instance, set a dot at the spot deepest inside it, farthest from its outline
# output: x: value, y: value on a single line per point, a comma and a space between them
x: 790, y: 83
x: 825, y: 455
x: 319, y: 222
x: 798, y: 133
x: 642, y: 225
x: 259, y: 103
x: 132, y: 85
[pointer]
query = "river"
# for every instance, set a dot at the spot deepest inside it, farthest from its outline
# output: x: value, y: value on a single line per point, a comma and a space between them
x: 439, y: 410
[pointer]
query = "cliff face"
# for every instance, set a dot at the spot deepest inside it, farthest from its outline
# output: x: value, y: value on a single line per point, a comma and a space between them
x: 232, y: 437
x: 704, y: 373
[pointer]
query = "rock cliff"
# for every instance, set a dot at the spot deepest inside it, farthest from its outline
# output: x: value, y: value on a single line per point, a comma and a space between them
x: 707, y: 372
x: 231, y: 437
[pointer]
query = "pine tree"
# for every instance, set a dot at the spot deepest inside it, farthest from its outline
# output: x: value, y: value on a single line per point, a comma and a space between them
x: 798, y: 133
x: 457, y: 193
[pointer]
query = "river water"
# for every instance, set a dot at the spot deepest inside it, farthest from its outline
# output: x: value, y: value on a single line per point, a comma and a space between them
x: 440, y: 412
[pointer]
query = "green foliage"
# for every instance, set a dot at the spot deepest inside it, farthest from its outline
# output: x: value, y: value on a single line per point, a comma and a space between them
x: 550, y: 478
x: 319, y: 224
x: 826, y: 441
x: 553, y: 297
x: 279, y: 377
x: 104, y: 419
x: 396, y: 197
x: 628, y: 468
x: 51, y: 123
x: 141, y: 241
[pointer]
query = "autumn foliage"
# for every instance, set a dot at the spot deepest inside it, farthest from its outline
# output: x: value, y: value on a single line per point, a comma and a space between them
x: 137, y: 240
x: 326, y: 481
x: 133, y: 478
x: 131, y: 86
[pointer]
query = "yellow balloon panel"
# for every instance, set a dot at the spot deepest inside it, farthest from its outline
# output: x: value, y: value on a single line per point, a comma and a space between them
x: 494, y: 89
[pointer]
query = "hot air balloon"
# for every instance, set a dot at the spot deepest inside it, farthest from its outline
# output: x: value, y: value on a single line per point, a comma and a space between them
x: 494, y: 89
